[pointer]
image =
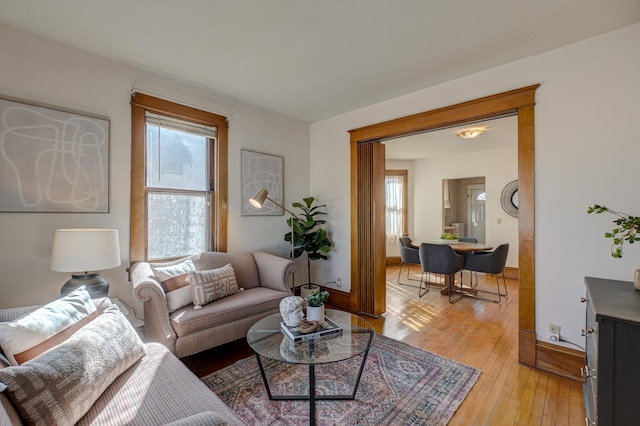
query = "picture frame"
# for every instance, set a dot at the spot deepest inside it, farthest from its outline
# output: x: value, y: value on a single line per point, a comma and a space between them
x: 260, y: 170
x: 52, y: 161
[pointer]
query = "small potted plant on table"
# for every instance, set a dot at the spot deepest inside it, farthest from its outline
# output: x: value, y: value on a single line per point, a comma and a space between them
x: 315, y: 305
x: 627, y: 229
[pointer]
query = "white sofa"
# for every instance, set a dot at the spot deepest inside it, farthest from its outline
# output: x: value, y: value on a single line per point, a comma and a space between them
x: 156, y: 390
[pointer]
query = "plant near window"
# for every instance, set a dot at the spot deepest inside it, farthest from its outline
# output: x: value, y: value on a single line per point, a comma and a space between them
x: 317, y: 299
x: 309, y: 236
x: 627, y: 228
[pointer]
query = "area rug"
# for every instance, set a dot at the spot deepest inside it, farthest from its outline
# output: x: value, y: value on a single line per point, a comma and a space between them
x: 400, y: 385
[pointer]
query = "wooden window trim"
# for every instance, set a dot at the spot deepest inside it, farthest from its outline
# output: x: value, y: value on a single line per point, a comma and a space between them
x: 138, y: 230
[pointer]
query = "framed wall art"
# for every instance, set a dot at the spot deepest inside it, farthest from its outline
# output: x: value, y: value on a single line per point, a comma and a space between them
x: 260, y: 170
x: 52, y: 160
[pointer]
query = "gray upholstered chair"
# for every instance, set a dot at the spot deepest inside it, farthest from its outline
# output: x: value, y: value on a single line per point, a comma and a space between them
x: 469, y: 240
x: 490, y: 263
x: 408, y: 256
x: 440, y: 259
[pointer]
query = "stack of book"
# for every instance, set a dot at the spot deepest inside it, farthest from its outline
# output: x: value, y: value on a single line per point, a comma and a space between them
x: 327, y: 328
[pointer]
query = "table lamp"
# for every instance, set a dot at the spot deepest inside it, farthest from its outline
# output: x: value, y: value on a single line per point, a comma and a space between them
x: 84, y: 252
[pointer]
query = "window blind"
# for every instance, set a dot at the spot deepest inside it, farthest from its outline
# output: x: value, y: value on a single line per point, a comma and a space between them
x: 180, y: 125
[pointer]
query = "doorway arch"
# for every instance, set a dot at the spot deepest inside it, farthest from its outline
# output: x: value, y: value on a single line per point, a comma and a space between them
x: 367, y: 212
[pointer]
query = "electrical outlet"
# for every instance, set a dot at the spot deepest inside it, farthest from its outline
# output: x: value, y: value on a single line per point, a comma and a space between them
x: 554, y: 332
x: 339, y: 282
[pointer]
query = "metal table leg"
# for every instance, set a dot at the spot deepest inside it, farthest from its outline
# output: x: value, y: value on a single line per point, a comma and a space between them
x: 312, y: 397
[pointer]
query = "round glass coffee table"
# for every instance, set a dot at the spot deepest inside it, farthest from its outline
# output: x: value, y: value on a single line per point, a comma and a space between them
x: 267, y: 340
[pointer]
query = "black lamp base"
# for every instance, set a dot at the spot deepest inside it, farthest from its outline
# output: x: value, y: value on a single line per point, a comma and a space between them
x: 96, y: 284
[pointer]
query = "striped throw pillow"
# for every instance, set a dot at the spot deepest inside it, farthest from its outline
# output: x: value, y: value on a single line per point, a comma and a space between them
x: 173, y: 279
x: 32, y: 334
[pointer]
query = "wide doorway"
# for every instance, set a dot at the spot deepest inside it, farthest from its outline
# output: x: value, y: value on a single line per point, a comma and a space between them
x: 368, y: 253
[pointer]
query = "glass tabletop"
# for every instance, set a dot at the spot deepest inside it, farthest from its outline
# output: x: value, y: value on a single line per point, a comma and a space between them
x: 266, y: 339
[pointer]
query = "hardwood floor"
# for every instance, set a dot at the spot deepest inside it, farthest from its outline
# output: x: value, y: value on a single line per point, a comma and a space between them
x: 478, y: 333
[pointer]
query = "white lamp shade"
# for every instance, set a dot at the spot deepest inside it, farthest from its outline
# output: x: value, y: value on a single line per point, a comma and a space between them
x: 85, y: 249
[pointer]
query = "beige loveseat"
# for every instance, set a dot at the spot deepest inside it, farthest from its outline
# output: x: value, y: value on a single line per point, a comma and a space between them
x: 156, y: 390
x: 185, y: 331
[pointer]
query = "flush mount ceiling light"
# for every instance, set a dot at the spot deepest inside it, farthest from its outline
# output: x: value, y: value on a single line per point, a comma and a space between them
x: 471, y: 133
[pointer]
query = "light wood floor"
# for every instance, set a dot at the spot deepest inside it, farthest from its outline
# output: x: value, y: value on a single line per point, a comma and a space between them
x: 475, y: 332
x: 483, y: 335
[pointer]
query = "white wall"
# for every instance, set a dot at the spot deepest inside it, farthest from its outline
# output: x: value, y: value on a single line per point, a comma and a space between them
x: 40, y: 70
x: 499, y: 167
x: 587, y: 151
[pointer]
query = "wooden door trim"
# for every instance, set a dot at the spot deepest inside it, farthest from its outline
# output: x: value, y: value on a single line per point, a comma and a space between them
x: 518, y: 102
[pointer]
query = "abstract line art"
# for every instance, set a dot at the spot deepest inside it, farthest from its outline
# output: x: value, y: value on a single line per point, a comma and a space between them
x: 52, y: 161
x: 259, y: 171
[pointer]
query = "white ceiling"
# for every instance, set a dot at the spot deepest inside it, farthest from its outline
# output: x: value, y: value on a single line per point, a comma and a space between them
x: 499, y: 133
x: 314, y: 59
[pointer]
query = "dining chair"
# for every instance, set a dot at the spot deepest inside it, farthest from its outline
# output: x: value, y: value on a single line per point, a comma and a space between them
x: 469, y: 240
x: 440, y: 259
x: 490, y: 263
x: 408, y: 256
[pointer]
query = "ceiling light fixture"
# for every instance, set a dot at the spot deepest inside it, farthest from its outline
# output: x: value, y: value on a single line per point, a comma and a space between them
x: 471, y: 133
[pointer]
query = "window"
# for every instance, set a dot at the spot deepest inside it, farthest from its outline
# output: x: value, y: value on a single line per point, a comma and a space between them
x: 178, y: 180
x: 396, y: 203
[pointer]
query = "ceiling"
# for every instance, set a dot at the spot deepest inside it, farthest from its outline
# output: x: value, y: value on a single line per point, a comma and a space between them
x: 314, y: 59
x: 499, y: 133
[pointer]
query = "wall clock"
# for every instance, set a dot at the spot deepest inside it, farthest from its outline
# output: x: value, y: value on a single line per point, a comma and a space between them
x: 509, y: 198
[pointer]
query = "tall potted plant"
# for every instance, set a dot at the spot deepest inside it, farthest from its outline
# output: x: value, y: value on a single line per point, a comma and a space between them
x: 309, y: 236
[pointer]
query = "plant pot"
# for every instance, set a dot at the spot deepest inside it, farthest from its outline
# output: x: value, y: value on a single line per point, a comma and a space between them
x: 315, y: 313
x: 443, y: 241
x: 308, y: 289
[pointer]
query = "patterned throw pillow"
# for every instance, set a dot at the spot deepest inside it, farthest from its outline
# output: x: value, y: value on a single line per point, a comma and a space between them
x: 30, y: 335
x: 207, y: 286
x: 173, y: 279
x: 61, y: 385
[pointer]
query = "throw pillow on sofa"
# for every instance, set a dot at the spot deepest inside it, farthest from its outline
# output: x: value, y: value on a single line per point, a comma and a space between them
x: 61, y: 385
x: 30, y: 335
x: 173, y: 279
x: 211, y: 285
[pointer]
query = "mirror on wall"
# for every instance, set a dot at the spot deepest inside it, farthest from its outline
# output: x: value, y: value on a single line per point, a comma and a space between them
x: 463, y: 207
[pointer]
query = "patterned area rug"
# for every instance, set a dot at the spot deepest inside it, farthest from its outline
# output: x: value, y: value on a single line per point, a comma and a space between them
x: 400, y: 385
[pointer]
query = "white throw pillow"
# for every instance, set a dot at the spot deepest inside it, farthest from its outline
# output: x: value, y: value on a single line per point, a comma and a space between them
x: 30, y: 335
x: 208, y: 286
x: 173, y: 279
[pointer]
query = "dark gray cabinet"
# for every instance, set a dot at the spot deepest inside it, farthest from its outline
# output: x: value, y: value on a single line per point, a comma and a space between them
x: 612, y: 369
